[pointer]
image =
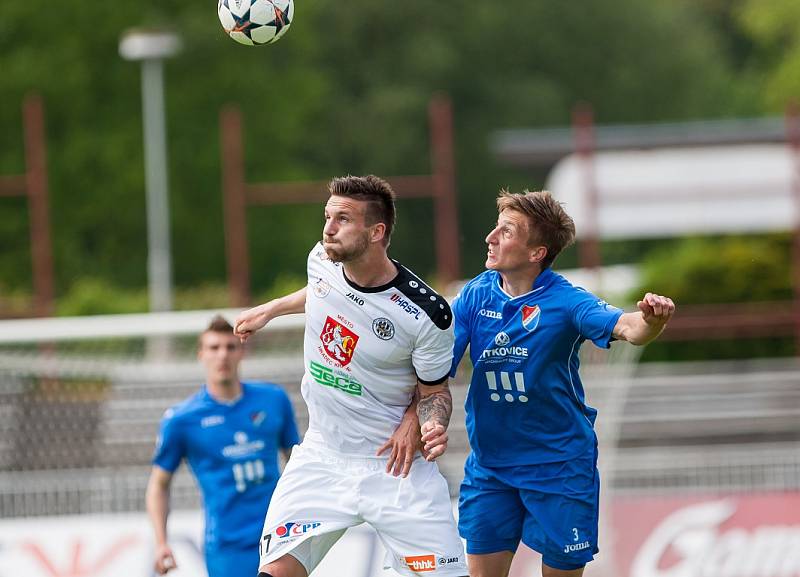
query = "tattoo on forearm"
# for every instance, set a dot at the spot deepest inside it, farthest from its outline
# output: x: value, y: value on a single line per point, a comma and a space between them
x: 436, y: 406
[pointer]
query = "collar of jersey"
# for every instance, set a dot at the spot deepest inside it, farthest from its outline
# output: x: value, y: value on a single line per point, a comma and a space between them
x: 540, y: 283
x: 210, y: 399
x: 377, y: 289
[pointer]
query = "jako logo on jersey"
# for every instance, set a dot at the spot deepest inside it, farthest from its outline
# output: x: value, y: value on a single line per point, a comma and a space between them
x: 295, y: 529
x: 447, y: 560
x: 383, y: 328
x: 530, y: 317
x: 338, y: 341
x: 258, y: 417
x: 421, y: 563
x: 355, y: 298
x: 406, y: 305
x: 324, y: 376
x: 490, y: 314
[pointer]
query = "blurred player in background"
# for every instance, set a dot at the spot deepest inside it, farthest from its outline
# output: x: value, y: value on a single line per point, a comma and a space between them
x: 230, y: 433
x: 532, y: 474
x: 375, y: 336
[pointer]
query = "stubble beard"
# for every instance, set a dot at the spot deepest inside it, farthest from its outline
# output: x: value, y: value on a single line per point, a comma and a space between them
x: 339, y: 253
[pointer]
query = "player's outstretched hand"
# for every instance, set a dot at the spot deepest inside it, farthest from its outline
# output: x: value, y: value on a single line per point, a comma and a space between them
x: 656, y: 309
x: 249, y: 321
x: 434, y: 440
x: 403, y: 445
x: 165, y: 561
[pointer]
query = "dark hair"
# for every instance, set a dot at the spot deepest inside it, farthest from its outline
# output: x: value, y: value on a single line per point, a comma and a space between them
x: 218, y: 324
x: 548, y: 222
x: 376, y: 192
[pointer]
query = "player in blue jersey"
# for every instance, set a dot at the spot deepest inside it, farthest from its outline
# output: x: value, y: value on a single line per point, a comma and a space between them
x: 230, y: 433
x: 532, y: 473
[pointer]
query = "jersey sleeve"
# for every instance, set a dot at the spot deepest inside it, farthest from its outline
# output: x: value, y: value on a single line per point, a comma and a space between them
x: 312, y: 259
x: 289, y: 435
x: 433, y: 352
x: 462, y: 321
x: 170, y: 447
x: 594, y: 318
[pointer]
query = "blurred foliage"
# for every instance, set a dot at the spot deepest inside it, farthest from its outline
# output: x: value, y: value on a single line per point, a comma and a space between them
x: 701, y: 271
x: 345, y: 91
x: 720, y: 270
x: 97, y: 296
x: 283, y: 285
x: 774, y: 27
x: 15, y: 302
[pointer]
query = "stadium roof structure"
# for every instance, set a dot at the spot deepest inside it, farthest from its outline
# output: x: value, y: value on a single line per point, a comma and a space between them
x: 668, y: 179
x: 668, y: 192
x: 535, y: 147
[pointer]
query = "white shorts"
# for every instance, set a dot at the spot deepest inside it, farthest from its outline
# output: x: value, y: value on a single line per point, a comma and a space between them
x: 321, y: 493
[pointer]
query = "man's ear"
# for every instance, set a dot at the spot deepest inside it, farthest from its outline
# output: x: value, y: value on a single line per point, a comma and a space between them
x: 378, y: 232
x: 537, y: 254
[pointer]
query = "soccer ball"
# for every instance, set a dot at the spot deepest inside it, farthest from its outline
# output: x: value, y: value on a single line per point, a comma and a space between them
x: 255, y: 22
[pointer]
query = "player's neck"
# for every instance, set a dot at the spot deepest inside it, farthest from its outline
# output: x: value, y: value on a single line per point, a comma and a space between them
x: 517, y: 283
x: 371, y: 270
x: 225, y: 391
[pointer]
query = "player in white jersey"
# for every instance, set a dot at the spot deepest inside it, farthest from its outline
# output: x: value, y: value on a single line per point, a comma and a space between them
x: 377, y: 353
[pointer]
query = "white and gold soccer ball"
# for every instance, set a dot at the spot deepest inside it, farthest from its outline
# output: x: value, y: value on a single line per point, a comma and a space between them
x: 255, y: 22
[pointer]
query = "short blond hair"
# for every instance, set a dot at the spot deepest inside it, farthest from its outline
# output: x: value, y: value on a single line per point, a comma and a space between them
x: 548, y: 223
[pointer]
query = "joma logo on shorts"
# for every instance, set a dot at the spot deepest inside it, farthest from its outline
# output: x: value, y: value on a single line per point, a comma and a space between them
x: 421, y: 563
x: 576, y: 547
x: 324, y: 376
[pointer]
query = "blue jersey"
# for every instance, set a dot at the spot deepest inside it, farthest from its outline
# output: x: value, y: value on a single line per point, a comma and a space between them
x: 232, y: 450
x: 526, y: 402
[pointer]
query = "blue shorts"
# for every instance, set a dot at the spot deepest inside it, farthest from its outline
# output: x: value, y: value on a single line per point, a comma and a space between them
x: 228, y: 561
x: 552, y: 508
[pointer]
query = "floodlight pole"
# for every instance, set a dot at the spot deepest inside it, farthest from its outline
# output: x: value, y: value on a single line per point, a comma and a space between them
x: 151, y: 48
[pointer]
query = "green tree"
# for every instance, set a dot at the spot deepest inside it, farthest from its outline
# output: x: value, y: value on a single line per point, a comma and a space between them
x: 345, y: 91
x: 705, y: 271
x: 774, y: 28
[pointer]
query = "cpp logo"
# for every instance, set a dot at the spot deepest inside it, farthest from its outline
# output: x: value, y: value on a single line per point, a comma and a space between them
x: 292, y: 529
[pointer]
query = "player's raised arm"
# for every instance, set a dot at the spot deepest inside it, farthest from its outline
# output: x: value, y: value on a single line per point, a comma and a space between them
x: 434, y: 409
x: 251, y: 320
x: 643, y: 326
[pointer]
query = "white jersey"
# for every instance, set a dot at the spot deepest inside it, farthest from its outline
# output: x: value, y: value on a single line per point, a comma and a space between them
x: 364, y: 350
